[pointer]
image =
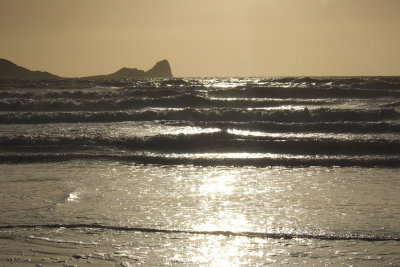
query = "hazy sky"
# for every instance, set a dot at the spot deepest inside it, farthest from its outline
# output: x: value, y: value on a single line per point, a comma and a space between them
x: 204, y: 37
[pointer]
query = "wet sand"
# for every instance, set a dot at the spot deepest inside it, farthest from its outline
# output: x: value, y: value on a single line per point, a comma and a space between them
x: 41, y: 247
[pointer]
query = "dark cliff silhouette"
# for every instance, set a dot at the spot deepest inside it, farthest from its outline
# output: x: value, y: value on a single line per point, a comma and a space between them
x: 9, y: 70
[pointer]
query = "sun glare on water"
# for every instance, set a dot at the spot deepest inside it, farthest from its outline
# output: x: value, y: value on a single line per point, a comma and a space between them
x: 217, y: 195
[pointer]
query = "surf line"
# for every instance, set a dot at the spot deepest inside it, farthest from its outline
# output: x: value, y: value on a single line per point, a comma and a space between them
x: 200, y: 232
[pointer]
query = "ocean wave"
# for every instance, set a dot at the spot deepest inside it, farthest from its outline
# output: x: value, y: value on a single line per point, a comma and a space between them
x: 105, y: 103
x: 214, y: 114
x: 306, y: 127
x: 248, y: 91
x: 209, y: 142
x: 295, y: 86
x: 347, y: 82
x: 303, y: 92
x: 274, y: 235
x: 207, y: 159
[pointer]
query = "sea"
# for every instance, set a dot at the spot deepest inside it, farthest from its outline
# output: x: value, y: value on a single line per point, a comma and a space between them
x: 200, y: 172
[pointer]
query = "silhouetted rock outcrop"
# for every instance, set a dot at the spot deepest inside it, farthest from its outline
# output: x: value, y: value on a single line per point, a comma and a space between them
x: 161, y: 69
x: 9, y: 70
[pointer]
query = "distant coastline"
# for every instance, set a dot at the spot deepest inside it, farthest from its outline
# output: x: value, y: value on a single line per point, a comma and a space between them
x: 10, y: 70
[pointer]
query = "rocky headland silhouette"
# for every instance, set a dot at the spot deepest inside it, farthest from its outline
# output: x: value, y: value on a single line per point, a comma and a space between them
x: 9, y: 70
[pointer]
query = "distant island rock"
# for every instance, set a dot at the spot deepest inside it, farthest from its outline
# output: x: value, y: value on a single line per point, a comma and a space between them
x: 9, y: 70
x: 162, y: 69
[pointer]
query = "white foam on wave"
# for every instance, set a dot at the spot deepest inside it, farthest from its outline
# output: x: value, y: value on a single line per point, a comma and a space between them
x: 73, y: 197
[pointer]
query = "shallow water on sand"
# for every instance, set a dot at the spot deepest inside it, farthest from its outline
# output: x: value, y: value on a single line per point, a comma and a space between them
x: 116, y: 212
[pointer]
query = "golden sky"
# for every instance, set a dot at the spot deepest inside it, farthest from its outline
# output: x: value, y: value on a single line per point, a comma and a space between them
x: 203, y: 37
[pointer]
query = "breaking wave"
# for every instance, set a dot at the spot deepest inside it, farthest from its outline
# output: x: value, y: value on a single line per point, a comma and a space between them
x: 89, y: 102
x: 363, y: 112
x: 307, y: 127
x: 214, y: 114
x: 218, y: 141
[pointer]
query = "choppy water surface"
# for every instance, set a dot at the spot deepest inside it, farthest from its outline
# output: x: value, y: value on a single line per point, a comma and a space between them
x: 229, y: 171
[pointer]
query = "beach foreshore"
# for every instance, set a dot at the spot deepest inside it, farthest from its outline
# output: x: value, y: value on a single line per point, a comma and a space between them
x: 90, y: 247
